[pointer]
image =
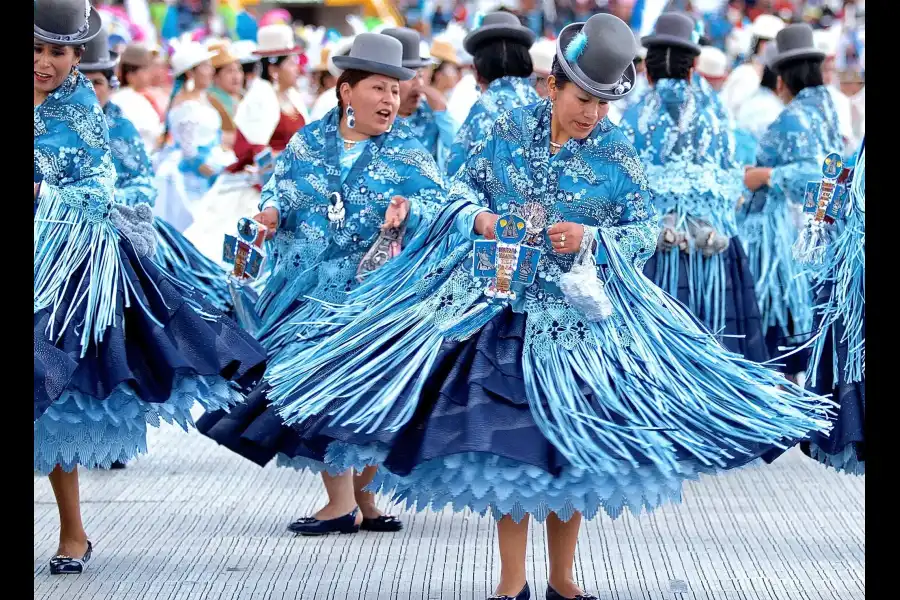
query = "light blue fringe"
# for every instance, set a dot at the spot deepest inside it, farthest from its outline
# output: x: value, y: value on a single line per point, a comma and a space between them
x: 673, y: 392
x: 83, y: 430
x: 706, y: 283
x: 782, y: 287
x: 183, y: 262
x: 845, y: 270
x: 65, y: 239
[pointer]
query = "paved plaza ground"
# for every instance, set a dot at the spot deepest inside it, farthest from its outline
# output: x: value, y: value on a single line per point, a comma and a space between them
x: 192, y: 521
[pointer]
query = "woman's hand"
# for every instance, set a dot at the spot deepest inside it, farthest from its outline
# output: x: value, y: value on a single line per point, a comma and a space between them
x: 269, y: 218
x: 757, y: 177
x: 436, y: 100
x: 566, y: 237
x: 485, y: 222
x: 396, y: 213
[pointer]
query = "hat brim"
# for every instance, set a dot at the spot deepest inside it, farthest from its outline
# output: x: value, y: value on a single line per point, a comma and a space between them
x: 281, y: 52
x: 578, y: 77
x: 95, y: 24
x: 418, y: 63
x: 516, y: 33
x: 100, y: 66
x: 671, y: 41
x: 201, y: 58
x: 796, y: 54
x: 448, y: 58
x: 345, y: 63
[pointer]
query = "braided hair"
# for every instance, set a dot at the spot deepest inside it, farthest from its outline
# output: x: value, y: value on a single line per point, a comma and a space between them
x: 668, y: 62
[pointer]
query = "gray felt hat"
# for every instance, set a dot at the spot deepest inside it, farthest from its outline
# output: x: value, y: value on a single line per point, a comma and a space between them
x: 65, y: 22
x: 97, y: 56
x: 795, y: 42
x: 498, y: 25
x: 376, y: 53
x: 598, y: 56
x: 411, y: 42
x: 674, y: 29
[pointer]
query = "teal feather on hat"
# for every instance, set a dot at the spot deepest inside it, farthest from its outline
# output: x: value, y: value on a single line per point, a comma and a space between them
x: 479, y: 19
x: 698, y: 32
x: 576, y: 47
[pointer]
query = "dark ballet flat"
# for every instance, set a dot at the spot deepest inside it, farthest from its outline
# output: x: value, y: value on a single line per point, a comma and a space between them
x: 117, y: 466
x: 554, y: 595
x: 314, y: 526
x: 66, y: 565
x: 382, y: 524
x: 525, y: 594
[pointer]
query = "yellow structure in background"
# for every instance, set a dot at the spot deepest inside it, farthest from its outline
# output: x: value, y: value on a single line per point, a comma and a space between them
x: 383, y: 9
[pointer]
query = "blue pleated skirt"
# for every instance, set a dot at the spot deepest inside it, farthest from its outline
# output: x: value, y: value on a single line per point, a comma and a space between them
x: 168, y: 349
x: 472, y: 443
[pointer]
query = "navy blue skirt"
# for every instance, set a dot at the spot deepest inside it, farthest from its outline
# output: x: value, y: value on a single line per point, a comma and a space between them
x: 742, y: 316
x: 474, y: 402
x: 844, y: 447
x: 145, y: 355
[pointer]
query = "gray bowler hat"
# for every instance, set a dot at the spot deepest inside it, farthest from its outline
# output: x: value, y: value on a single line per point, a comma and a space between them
x: 65, y: 22
x: 598, y: 56
x: 97, y: 56
x: 795, y: 42
x: 674, y: 29
x: 376, y: 53
x: 411, y: 42
x: 498, y: 25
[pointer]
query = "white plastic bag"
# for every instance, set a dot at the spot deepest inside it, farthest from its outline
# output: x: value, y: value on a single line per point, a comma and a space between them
x: 581, y: 286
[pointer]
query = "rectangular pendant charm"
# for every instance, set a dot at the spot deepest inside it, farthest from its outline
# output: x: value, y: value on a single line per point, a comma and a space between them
x: 484, y: 262
x: 809, y: 199
x: 245, y: 251
x: 526, y: 269
x: 506, y: 261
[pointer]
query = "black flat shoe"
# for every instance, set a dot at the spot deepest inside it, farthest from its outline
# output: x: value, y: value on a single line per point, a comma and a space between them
x: 66, y: 565
x: 314, y: 526
x: 554, y: 595
x: 117, y: 466
x: 382, y: 524
x: 525, y: 594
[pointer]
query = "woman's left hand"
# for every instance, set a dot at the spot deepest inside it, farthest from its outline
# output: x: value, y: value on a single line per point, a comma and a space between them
x: 566, y: 237
x: 396, y: 212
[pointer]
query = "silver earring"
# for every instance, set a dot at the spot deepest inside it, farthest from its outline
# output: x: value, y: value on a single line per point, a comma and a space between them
x: 351, y: 117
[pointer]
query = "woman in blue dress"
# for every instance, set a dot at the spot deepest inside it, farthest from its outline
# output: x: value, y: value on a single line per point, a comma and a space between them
x: 790, y: 154
x: 838, y: 362
x: 118, y: 344
x: 499, y: 47
x: 346, y: 193
x: 521, y: 378
x: 135, y: 184
x: 688, y: 153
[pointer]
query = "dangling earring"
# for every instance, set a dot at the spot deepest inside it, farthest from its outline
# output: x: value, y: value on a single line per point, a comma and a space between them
x: 351, y: 117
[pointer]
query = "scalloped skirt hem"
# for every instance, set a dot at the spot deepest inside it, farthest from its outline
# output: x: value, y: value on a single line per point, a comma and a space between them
x: 80, y: 430
x: 489, y: 484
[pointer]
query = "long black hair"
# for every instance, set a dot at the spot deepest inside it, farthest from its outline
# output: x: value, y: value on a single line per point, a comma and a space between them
x: 669, y: 62
x: 177, y: 86
x: 800, y: 74
x: 502, y: 58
